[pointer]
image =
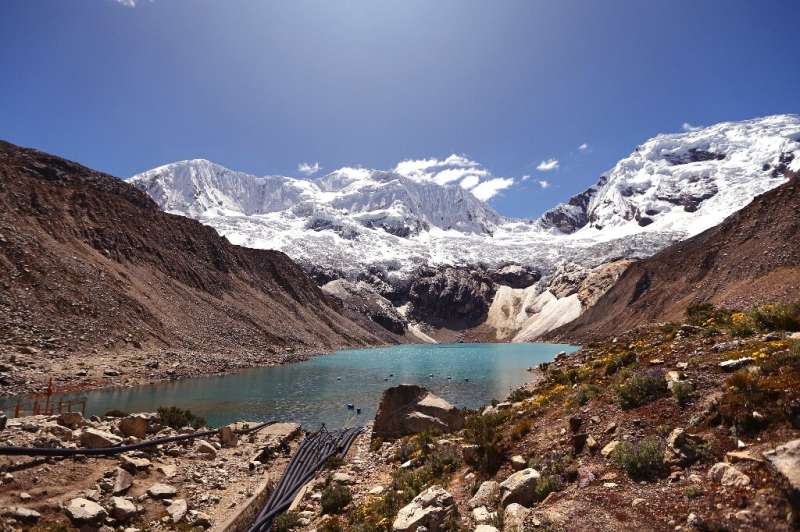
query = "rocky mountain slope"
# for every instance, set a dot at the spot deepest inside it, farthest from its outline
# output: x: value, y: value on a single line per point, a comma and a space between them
x: 753, y: 257
x: 91, y: 267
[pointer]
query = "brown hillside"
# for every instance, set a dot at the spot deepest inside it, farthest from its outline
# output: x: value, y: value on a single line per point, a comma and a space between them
x: 753, y: 257
x: 89, y: 266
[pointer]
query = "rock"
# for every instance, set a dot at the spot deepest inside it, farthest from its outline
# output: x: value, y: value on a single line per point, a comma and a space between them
x: 727, y: 346
x: 514, y: 518
x: 637, y: 502
x: 609, y: 448
x: 579, y: 441
x: 518, y: 488
x: 672, y: 377
x: 111, y: 372
x: 206, y: 449
x: 85, y: 512
x: 485, y: 528
x: 682, y: 448
x: 133, y: 464
x: 785, y: 459
x: 429, y: 509
x: 363, y: 298
x: 376, y: 490
x: 451, y: 295
x: 736, y: 363
x: 611, y: 428
x: 168, y: 470
x: 197, y: 518
x: 122, y: 509
x: 342, y: 478
x: 518, y: 463
x: 486, y: 495
x: 728, y: 475
x: 98, y: 439
x: 177, y: 510
x: 122, y: 481
x: 135, y: 425
x: 481, y: 514
x: 228, y: 437
x: 742, y: 456
x: 409, y: 409
x: 575, y: 423
x: 60, y: 431
x: 708, y: 409
x: 469, y: 453
x: 71, y: 420
x: 591, y: 443
x: 585, y: 476
x: 161, y: 491
x: 22, y: 514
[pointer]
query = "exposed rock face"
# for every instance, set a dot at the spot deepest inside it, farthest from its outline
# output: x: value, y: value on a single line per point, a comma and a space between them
x: 515, y: 276
x: 728, y: 475
x: 409, y: 409
x: 452, y: 297
x: 486, y: 495
x: 514, y: 518
x: 135, y: 425
x: 364, y: 299
x: 122, y: 509
x: 430, y: 509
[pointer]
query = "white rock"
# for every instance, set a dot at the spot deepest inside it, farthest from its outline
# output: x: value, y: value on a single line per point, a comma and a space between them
x: 728, y: 475
x: 122, y: 509
x: 487, y: 495
x: 98, y: 439
x: 514, y: 517
x: 84, y: 511
x: 161, y: 491
x: 429, y: 509
x: 177, y: 510
x: 519, y: 487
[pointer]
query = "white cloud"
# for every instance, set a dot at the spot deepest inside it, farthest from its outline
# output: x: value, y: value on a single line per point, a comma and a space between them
x: 686, y: 126
x: 489, y: 189
x: 583, y: 147
x: 525, y: 177
x: 470, y: 182
x: 309, y: 169
x: 548, y: 165
x: 543, y: 183
x: 456, y: 168
x: 129, y: 3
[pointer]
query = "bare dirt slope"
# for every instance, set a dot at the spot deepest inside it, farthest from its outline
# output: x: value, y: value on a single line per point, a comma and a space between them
x: 91, y: 268
x: 753, y: 257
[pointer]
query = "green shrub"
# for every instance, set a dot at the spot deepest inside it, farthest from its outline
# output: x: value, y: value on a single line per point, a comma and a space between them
x: 521, y: 429
x: 177, y: 418
x: 776, y: 317
x: 643, y: 460
x: 700, y: 313
x: 483, y: 431
x: 286, y: 521
x: 641, y: 389
x: 116, y: 413
x: 682, y: 392
x: 693, y: 492
x: 334, y: 498
x: 586, y: 393
x: 619, y: 362
x: 546, y: 485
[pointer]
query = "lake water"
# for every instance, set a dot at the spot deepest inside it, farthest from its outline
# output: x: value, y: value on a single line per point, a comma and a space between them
x: 320, y: 389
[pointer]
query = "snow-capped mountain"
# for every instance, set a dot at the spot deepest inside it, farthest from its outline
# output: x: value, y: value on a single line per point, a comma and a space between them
x: 386, y: 224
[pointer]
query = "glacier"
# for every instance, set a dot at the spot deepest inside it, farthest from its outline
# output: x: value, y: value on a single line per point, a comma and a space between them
x: 357, y: 223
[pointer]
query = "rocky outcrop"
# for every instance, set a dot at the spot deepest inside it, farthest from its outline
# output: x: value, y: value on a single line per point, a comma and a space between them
x: 515, y: 276
x: 410, y: 409
x: 785, y: 459
x: 363, y: 299
x: 451, y: 297
x: 430, y: 509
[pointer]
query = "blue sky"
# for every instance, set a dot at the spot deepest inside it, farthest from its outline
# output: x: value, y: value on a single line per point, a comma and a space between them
x: 265, y: 86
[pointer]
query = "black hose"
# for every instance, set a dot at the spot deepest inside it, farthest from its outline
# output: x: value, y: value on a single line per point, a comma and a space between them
x: 108, y: 451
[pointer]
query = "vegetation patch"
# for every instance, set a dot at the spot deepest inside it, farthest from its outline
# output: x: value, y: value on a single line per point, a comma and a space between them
x: 483, y: 431
x: 335, y: 498
x: 643, y: 460
x: 682, y: 392
x: 177, y: 418
x: 286, y: 521
x: 641, y: 389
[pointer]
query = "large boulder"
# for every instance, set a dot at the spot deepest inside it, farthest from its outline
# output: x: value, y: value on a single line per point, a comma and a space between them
x: 97, y: 439
x: 514, y: 518
x: 728, y: 475
x: 519, y: 488
x: 486, y: 495
x: 429, y: 509
x: 785, y: 459
x: 85, y: 512
x: 410, y: 409
x: 135, y: 425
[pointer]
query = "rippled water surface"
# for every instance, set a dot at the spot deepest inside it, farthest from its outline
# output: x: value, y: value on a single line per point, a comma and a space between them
x: 318, y: 390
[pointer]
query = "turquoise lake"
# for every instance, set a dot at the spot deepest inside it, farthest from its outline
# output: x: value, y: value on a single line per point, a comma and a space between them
x: 319, y: 390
